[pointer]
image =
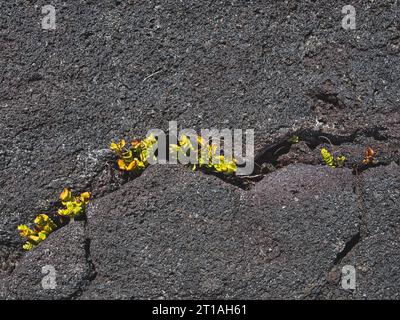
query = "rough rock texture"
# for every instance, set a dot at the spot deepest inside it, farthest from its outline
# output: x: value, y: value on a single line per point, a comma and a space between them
x: 174, y: 233
x: 376, y: 255
x: 119, y: 68
x: 188, y: 235
x: 67, y: 252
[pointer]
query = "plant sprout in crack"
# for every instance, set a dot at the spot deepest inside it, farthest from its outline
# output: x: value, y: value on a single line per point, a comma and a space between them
x: 44, y: 225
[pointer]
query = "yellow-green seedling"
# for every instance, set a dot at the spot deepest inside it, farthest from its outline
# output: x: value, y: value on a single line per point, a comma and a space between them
x: 330, y: 160
x: 293, y: 139
x: 206, y: 155
x: 73, y: 206
x: 42, y: 228
x: 136, y: 156
x: 340, y: 161
x: 327, y: 157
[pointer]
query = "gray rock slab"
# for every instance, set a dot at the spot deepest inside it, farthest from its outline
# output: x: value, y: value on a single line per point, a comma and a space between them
x: 173, y: 233
x: 65, y: 253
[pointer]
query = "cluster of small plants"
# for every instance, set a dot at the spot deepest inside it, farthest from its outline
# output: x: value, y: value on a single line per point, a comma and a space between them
x: 206, y: 155
x: 73, y: 206
x: 330, y: 160
x: 42, y: 228
x: 339, y: 161
x: 133, y: 158
x: 43, y: 225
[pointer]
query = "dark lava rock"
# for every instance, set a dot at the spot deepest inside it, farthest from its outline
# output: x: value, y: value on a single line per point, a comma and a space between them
x: 169, y: 233
x: 311, y: 212
x: 172, y: 233
x: 66, y: 252
x: 119, y: 68
x: 376, y: 255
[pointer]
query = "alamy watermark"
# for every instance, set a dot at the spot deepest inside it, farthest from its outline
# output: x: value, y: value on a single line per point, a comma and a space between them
x: 49, y: 20
x: 49, y: 280
x: 348, y: 277
x: 349, y: 20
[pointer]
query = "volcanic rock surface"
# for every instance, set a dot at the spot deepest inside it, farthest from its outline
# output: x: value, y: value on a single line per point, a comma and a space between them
x: 115, y: 69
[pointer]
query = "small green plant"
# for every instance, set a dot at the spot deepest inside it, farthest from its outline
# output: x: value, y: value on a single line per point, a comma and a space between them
x: 206, y: 155
x: 330, y: 160
x: 293, y: 139
x: 135, y: 157
x: 42, y: 228
x: 340, y: 161
x: 73, y: 206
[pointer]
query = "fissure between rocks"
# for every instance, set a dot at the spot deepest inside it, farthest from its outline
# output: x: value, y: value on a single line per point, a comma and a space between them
x: 92, y: 272
x: 354, y: 241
